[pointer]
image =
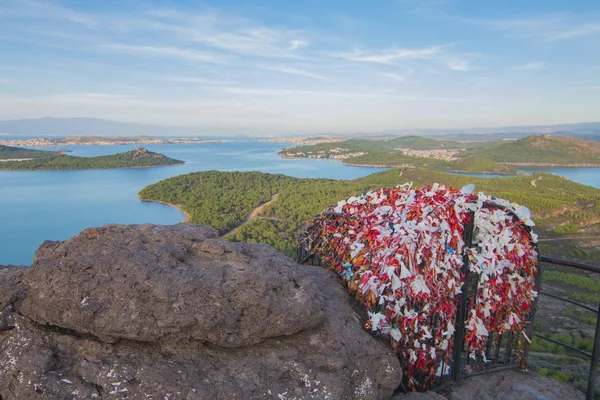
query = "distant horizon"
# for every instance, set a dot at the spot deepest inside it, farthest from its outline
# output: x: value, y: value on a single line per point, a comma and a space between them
x: 479, y: 130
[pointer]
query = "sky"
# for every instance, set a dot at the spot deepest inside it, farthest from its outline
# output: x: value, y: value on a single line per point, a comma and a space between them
x: 303, y: 66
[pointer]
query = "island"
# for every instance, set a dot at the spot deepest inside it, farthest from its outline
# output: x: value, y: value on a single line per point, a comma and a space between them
x: 495, y: 157
x: 9, y: 153
x: 102, y: 141
x: 32, y: 160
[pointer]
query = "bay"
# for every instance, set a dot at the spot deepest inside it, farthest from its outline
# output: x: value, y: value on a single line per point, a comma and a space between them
x: 586, y: 175
x: 55, y: 205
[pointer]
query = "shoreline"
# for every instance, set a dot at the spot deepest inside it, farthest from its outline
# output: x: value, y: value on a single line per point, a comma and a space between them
x: 186, y: 216
x: 584, y: 165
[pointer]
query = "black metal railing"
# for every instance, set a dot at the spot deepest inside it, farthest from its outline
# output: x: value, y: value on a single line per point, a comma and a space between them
x: 595, y: 354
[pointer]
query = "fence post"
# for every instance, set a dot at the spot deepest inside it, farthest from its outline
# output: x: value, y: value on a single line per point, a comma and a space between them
x: 461, y: 313
x: 594, y: 365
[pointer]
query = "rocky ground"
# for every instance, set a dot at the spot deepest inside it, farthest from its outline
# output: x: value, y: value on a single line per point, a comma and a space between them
x: 155, y: 312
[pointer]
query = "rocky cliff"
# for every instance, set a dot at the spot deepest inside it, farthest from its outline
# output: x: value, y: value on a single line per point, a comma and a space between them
x: 155, y: 312
x: 175, y: 312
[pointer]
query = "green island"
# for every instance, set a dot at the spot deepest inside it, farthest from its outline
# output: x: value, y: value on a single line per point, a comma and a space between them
x: 31, y: 160
x: 19, y: 153
x: 567, y: 215
x: 498, y: 157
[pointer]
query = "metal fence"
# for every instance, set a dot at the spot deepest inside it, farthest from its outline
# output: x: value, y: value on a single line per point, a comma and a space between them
x: 595, y: 354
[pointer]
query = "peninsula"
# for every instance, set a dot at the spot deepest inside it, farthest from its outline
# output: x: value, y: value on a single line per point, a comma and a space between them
x: 138, y: 158
x: 497, y: 157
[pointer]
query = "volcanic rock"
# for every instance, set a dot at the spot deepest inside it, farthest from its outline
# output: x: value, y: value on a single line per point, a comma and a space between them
x: 174, y: 312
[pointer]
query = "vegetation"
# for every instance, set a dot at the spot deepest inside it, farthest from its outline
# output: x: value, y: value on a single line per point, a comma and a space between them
x: 224, y: 199
x: 137, y: 158
x: 562, y: 150
x: 12, y: 153
x: 482, y: 157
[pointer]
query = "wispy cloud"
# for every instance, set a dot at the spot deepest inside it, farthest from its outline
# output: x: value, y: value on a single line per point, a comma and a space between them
x: 390, y: 55
x: 291, y: 71
x: 380, y: 94
x: 297, y: 44
x: 229, y: 33
x: 49, y: 10
x: 395, y: 77
x: 460, y: 62
x: 549, y: 27
x: 530, y: 66
x: 576, y: 31
x: 169, y: 52
x: 5, y: 81
x: 195, y: 80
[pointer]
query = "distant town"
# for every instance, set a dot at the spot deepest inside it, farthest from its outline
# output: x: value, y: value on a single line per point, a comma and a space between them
x: 100, y: 141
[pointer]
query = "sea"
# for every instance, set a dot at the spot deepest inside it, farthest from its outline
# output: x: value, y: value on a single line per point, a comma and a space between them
x: 55, y: 205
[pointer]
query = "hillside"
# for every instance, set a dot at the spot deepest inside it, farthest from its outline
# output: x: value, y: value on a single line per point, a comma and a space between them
x: 12, y: 153
x: 224, y: 199
x: 137, y: 158
x: 555, y: 150
x: 476, y: 157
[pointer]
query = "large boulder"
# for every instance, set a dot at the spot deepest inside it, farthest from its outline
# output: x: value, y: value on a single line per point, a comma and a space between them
x: 175, y: 312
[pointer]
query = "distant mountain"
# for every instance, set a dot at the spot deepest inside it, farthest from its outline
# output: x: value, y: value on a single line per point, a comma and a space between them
x: 61, y: 127
x: 584, y: 130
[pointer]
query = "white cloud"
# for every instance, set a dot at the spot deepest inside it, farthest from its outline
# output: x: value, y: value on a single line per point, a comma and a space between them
x: 549, y: 27
x: 458, y: 64
x: 49, y: 10
x: 291, y: 71
x: 576, y: 31
x: 196, y: 80
x: 5, y: 81
x: 296, y: 44
x: 530, y: 66
x: 390, y: 55
x: 169, y: 52
x: 395, y: 77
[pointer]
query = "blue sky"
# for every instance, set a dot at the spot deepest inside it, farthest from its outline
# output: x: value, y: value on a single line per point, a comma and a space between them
x: 304, y: 66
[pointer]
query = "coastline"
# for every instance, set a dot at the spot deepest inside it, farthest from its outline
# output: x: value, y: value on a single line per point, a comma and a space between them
x: 412, y: 166
x: 186, y: 215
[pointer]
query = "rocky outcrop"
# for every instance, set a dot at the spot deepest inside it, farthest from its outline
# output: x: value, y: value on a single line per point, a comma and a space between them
x: 513, y: 385
x: 502, y: 385
x: 177, y: 313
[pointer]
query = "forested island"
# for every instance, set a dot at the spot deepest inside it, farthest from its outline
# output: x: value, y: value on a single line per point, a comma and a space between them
x: 8, y: 153
x: 32, y: 160
x: 498, y: 157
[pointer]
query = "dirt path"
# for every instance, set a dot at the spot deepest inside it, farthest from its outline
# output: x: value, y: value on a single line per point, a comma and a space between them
x: 533, y: 182
x: 254, y: 214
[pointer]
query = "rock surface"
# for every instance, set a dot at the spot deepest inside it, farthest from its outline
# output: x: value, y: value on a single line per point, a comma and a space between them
x: 152, y: 283
x: 513, y: 385
x: 175, y: 312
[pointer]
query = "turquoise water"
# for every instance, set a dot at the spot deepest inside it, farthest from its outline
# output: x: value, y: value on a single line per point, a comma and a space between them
x: 587, y: 175
x: 55, y: 205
